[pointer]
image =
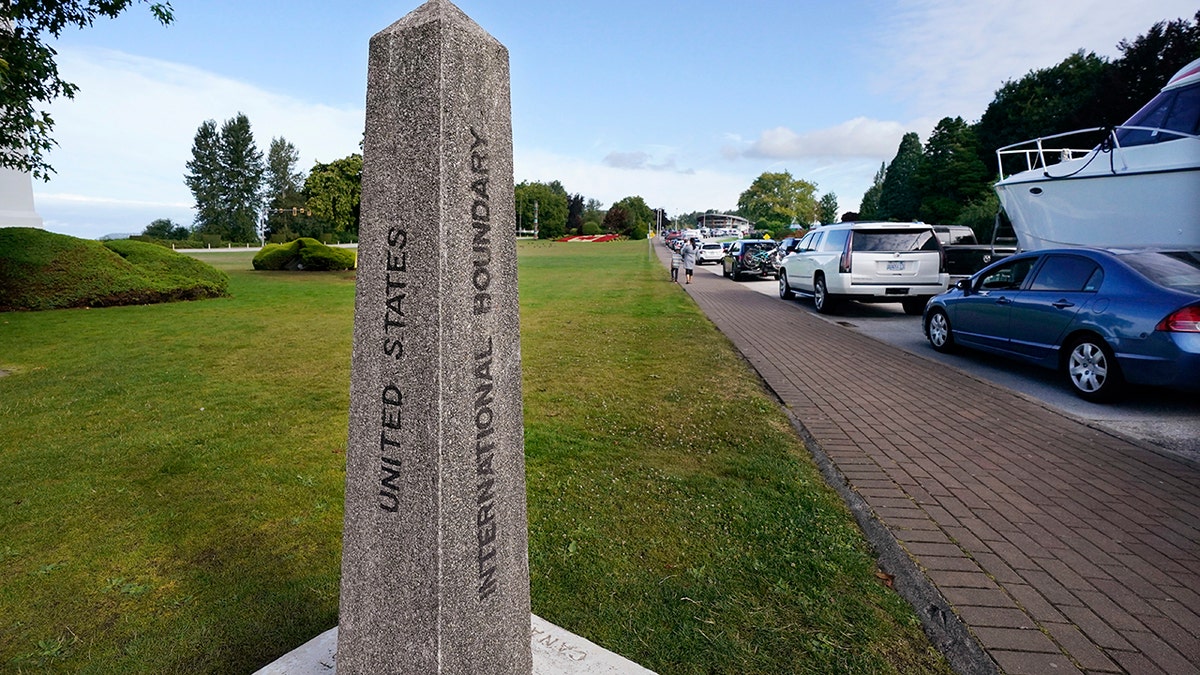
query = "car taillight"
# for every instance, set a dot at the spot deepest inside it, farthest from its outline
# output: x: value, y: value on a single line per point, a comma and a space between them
x: 844, y: 263
x: 1186, y: 320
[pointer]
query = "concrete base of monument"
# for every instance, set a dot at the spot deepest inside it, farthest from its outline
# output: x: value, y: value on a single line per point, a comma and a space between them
x: 556, y: 651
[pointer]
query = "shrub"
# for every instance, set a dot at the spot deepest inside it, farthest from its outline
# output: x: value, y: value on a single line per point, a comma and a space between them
x: 304, y: 254
x: 43, y: 270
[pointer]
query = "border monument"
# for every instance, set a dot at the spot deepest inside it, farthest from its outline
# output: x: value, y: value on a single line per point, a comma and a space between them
x: 435, y: 572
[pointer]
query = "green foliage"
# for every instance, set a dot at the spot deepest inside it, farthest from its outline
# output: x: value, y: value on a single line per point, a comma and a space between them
x: 1049, y: 101
x: 869, y: 207
x: 1147, y: 62
x: 638, y: 218
x: 30, y: 75
x: 305, y: 254
x: 899, y: 199
x: 544, y: 204
x: 225, y: 176
x: 333, y: 194
x: 41, y: 270
x: 283, y: 186
x: 950, y: 173
x: 776, y: 200
x: 827, y: 208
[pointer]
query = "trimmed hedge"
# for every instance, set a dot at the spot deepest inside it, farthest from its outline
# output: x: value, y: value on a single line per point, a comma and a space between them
x: 305, y: 254
x: 43, y: 270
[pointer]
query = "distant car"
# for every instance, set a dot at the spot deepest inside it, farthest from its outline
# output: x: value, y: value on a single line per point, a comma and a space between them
x: 868, y: 262
x: 1104, y: 318
x: 710, y: 251
x: 746, y: 257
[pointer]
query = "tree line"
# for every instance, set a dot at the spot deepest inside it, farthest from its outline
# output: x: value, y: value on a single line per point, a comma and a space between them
x: 948, y: 180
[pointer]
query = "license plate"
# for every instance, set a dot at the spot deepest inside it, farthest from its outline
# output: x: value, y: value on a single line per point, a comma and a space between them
x: 895, y: 266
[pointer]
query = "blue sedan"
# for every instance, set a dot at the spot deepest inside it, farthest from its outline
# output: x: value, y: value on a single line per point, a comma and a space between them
x: 1104, y: 318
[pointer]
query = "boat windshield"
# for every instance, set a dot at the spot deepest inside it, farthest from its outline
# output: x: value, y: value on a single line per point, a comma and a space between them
x: 1179, y: 270
x: 1175, y: 110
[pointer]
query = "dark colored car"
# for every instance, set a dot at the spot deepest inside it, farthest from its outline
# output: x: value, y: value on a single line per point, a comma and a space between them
x: 775, y: 258
x: 1103, y: 318
x: 746, y: 257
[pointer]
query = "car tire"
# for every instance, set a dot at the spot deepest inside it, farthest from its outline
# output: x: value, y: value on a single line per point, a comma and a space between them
x: 938, y: 331
x: 822, y: 300
x: 1092, y: 369
x: 785, y: 292
x: 724, y: 271
x: 914, y: 306
x: 733, y: 272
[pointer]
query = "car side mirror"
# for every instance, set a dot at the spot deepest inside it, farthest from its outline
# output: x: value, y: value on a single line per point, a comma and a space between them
x: 963, y: 285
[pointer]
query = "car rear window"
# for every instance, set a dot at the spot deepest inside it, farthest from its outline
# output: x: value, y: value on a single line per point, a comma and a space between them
x: 712, y: 246
x: 894, y: 240
x: 1176, y: 269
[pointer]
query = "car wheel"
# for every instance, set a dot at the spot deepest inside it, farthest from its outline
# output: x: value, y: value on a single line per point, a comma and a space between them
x: 785, y: 292
x: 937, y: 329
x: 821, y: 299
x: 914, y: 306
x: 724, y: 271
x: 1092, y: 369
x: 733, y: 272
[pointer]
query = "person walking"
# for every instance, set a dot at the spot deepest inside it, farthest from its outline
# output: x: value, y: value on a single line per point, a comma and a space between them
x: 676, y: 262
x: 689, y: 253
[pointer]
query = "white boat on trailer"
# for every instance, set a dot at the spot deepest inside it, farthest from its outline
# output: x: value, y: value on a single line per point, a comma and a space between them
x: 1138, y: 187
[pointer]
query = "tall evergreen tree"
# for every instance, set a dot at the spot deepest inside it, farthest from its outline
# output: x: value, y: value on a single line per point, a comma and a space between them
x: 869, y: 206
x: 950, y: 174
x: 226, y: 179
x: 827, y: 209
x: 204, y: 178
x: 284, y: 183
x: 575, y: 214
x: 898, y: 197
x: 243, y: 169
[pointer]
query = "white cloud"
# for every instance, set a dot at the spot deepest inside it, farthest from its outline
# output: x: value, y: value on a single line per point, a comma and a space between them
x: 948, y: 57
x: 859, y: 137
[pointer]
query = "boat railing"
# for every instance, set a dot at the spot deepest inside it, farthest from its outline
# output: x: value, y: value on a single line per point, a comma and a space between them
x: 1046, y: 151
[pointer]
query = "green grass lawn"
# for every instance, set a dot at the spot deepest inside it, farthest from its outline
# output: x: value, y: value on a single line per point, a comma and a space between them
x: 171, y: 483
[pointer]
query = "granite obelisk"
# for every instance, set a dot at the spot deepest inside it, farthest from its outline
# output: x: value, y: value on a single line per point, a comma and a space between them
x: 435, y: 572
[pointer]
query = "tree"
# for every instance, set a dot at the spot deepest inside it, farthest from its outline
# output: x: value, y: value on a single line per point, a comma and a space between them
x: 827, y: 208
x: 870, y: 199
x: 225, y: 175
x: 1147, y: 63
x: 165, y: 228
x: 638, y: 217
x: 284, y: 184
x: 776, y: 200
x: 617, y: 219
x: 204, y: 177
x: 950, y: 174
x: 575, y: 214
x: 29, y: 77
x: 593, y: 217
x: 545, y: 204
x: 243, y: 170
x: 1049, y: 101
x: 898, y: 196
x: 333, y: 195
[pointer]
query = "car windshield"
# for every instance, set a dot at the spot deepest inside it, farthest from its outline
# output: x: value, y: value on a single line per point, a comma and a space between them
x: 893, y: 240
x: 1179, y: 270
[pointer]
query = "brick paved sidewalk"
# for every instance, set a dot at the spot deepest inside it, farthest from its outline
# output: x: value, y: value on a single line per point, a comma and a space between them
x: 1063, y: 549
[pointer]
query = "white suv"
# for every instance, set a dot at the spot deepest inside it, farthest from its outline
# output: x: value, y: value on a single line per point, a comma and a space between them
x: 868, y: 262
x: 710, y: 251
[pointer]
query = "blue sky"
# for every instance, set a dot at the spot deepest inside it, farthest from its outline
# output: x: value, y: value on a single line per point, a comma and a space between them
x: 682, y: 103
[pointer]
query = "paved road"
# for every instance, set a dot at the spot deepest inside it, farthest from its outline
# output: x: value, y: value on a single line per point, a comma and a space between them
x: 1162, y: 418
x: 1063, y: 548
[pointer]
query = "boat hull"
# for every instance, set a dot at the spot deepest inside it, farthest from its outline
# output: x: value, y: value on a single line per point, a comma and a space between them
x: 1108, y: 210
